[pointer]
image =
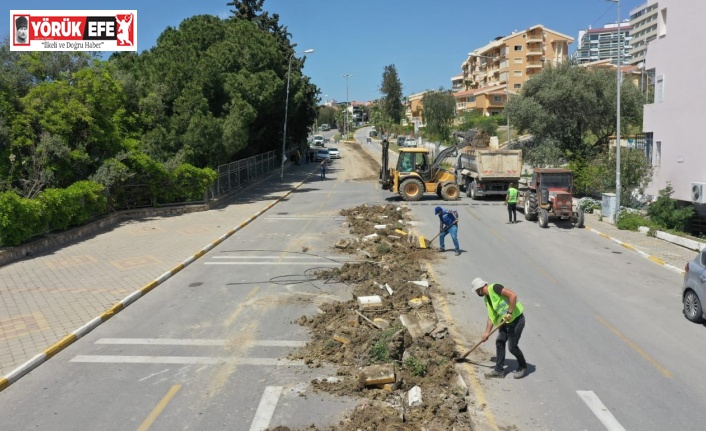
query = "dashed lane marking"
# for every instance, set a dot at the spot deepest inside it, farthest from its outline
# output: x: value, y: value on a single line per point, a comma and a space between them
x: 266, y: 408
x: 197, y: 342
x: 149, y: 420
x: 600, y: 410
x: 182, y: 360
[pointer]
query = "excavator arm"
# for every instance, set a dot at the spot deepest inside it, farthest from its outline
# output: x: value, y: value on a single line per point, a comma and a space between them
x: 453, y: 149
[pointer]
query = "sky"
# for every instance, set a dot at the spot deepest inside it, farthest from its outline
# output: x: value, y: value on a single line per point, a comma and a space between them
x: 426, y: 40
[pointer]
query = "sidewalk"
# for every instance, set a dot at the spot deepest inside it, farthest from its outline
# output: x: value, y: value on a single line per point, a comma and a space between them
x: 47, y: 298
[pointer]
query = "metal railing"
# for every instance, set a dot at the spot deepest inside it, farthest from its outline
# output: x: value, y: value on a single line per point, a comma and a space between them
x: 241, y: 172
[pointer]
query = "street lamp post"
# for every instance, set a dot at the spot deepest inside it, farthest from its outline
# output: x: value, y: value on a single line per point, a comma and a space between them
x: 345, y: 123
x: 507, y: 92
x: 286, y: 108
x: 619, y: 74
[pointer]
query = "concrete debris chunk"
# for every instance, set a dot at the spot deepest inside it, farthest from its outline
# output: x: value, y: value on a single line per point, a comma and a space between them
x: 378, y: 374
x: 458, y: 382
x: 343, y: 243
x: 427, y: 325
x: 342, y: 339
x: 418, y: 302
x: 365, y: 302
x: 439, y: 332
x: 414, y: 397
x: 394, y: 237
x: 401, y: 232
x: 382, y: 323
x: 412, y: 324
x: 371, y: 237
x: 422, y: 283
x: 380, y: 226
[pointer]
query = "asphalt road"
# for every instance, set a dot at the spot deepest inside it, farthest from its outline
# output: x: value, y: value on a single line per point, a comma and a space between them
x: 606, y: 342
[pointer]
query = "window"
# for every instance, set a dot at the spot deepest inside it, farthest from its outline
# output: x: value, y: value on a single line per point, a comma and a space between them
x: 648, y: 147
x: 659, y: 89
x: 658, y: 152
x: 517, y: 86
x: 517, y: 60
x: 471, y: 99
x: 497, y: 99
x: 517, y: 73
x: 518, y: 47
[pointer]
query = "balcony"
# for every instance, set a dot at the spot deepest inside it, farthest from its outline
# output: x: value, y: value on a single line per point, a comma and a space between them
x: 534, y: 51
x: 534, y: 65
x: 534, y: 38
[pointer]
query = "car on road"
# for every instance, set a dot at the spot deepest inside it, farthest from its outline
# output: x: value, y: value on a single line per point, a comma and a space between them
x: 319, y: 140
x: 325, y: 127
x: 410, y: 143
x: 694, y: 288
x: 322, y: 154
x: 400, y: 140
x: 334, y: 153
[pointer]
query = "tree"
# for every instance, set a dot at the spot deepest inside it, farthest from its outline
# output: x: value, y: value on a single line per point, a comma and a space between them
x: 391, y: 100
x: 439, y: 112
x: 573, y: 105
x: 667, y: 212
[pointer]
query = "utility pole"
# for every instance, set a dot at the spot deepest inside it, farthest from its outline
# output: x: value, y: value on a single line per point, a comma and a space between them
x: 345, y: 124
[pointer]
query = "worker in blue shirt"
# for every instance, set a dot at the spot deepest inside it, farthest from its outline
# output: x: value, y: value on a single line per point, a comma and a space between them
x: 448, y: 224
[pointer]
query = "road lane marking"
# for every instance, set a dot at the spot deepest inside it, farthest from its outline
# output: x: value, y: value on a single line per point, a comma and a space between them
x: 158, y: 408
x: 541, y: 271
x: 313, y: 263
x: 600, y: 410
x: 182, y: 360
x: 266, y: 409
x: 649, y: 359
x: 197, y: 342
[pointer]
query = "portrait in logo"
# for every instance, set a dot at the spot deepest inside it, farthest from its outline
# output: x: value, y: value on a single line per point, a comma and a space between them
x: 124, y: 22
x: 21, y: 30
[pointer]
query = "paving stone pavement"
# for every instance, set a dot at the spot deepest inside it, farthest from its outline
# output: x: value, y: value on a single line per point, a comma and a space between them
x: 47, y: 296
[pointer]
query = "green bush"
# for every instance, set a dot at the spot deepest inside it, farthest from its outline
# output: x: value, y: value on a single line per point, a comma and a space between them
x: 631, y: 220
x: 89, y: 200
x: 58, y: 209
x: 189, y: 183
x: 20, y: 218
x: 667, y: 213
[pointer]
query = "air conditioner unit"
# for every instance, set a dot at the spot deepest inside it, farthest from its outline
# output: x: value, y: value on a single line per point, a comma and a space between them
x: 698, y: 193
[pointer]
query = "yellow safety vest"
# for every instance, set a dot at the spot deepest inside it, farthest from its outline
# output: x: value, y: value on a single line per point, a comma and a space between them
x: 498, y: 305
x: 512, y: 195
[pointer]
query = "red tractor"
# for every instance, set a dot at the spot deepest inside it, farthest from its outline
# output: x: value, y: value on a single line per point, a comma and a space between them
x: 549, y: 195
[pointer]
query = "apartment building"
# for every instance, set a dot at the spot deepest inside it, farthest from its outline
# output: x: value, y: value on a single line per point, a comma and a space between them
x: 672, y: 123
x: 414, y: 109
x: 643, y: 20
x: 499, y: 69
x: 595, y: 44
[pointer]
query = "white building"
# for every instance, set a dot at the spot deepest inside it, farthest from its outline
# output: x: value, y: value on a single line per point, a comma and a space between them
x: 672, y: 123
x: 597, y: 44
x: 643, y: 20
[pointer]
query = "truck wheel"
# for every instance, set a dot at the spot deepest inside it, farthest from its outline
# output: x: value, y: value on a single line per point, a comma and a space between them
x: 543, y: 218
x: 450, y: 192
x: 474, y: 196
x: 469, y: 186
x: 412, y: 190
x: 531, y: 207
x: 579, y: 220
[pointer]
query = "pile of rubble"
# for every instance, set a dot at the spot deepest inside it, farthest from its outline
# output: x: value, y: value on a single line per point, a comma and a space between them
x: 386, y: 341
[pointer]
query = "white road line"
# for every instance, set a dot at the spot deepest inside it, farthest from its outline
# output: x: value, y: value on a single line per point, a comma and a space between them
x: 181, y: 360
x: 317, y: 263
x: 197, y: 342
x: 266, y: 409
x: 600, y: 410
x: 336, y: 258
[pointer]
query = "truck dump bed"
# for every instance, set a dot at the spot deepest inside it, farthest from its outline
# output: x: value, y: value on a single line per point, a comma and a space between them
x: 489, y: 164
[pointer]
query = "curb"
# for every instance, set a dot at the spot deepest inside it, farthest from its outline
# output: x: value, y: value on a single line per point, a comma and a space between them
x: 60, y: 345
x: 640, y: 252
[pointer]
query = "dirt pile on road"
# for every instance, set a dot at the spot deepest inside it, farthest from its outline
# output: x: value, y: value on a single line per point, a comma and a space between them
x: 386, y: 341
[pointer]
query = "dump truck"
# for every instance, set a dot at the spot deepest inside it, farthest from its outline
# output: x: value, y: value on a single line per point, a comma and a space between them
x: 549, y: 195
x: 484, y: 172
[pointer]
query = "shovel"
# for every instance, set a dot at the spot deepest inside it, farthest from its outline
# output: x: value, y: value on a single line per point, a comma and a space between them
x: 423, y: 243
x: 465, y: 355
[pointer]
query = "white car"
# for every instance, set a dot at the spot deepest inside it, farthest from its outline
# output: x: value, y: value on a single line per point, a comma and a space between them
x: 322, y: 154
x: 410, y: 142
x: 318, y: 141
x: 334, y: 153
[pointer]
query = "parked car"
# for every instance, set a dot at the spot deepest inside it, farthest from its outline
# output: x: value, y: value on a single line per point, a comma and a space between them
x: 410, y: 142
x: 400, y: 140
x: 318, y: 141
x: 325, y: 128
x: 334, y: 153
x: 694, y: 288
x: 322, y: 154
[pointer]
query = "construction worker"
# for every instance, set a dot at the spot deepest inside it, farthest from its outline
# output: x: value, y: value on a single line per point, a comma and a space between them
x: 511, y: 202
x: 448, y: 224
x: 503, y: 309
